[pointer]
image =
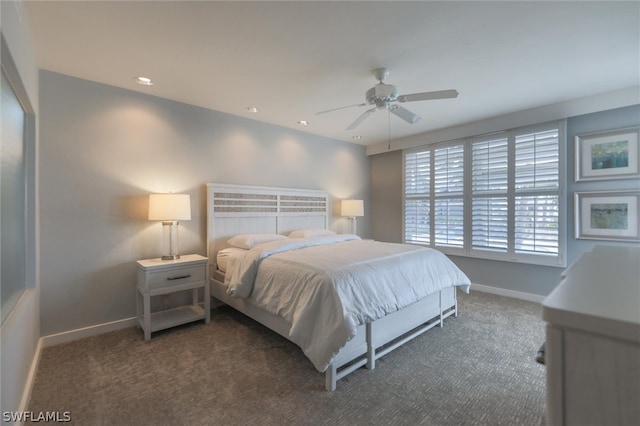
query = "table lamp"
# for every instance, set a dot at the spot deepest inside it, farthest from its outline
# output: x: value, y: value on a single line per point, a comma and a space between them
x: 170, y: 209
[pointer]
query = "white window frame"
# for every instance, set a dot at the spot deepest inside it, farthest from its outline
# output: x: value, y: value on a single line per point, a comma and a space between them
x: 510, y: 254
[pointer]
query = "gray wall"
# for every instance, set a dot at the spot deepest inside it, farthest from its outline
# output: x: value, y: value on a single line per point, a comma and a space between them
x: 585, y: 124
x: 526, y: 278
x: 386, y: 200
x: 104, y: 149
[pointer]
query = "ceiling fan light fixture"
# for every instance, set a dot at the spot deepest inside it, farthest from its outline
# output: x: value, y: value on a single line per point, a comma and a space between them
x: 382, y: 103
x: 381, y: 92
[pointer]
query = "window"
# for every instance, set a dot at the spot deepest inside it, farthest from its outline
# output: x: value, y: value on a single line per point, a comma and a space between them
x: 417, y: 206
x: 448, y: 195
x: 12, y: 203
x: 496, y: 196
x: 537, y: 187
x: 17, y: 192
x: 489, y: 200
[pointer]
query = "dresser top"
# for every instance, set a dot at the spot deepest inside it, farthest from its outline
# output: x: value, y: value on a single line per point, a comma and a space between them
x: 599, y: 293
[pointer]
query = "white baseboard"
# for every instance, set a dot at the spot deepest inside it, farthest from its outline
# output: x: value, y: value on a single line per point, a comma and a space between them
x: 508, y: 293
x: 81, y: 333
x: 31, y: 377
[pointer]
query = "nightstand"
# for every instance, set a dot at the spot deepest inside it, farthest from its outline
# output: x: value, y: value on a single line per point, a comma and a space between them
x: 157, y: 277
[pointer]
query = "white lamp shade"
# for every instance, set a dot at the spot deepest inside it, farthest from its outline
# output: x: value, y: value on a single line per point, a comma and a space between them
x: 352, y: 208
x: 168, y: 207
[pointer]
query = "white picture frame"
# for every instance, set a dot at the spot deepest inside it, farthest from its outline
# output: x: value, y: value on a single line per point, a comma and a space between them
x: 611, y: 216
x: 607, y: 155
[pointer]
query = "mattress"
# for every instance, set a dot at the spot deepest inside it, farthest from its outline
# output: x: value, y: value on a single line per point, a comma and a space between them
x: 228, y: 255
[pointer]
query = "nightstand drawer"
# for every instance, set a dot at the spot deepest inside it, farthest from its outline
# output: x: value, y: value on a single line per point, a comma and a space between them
x: 175, y: 277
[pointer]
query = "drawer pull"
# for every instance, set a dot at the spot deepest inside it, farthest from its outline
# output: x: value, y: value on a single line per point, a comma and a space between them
x: 178, y: 277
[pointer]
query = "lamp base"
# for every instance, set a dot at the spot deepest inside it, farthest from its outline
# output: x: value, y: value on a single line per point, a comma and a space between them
x: 353, y: 225
x: 171, y: 257
x: 170, y: 229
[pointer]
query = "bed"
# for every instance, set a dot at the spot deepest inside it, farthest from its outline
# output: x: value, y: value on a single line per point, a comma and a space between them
x: 344, y: 301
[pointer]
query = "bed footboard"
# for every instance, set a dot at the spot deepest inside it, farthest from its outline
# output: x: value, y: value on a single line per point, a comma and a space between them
x: 390, y: 332
x: 394, y: 330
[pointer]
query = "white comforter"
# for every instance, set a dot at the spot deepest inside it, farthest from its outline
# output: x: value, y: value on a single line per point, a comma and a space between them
x: 326, y: 287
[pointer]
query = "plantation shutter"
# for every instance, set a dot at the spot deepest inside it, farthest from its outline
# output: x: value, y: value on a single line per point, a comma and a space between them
x: 489, y: 187
x: 537, y: 200
x: 417, y: 226
x: 448, y: 195
x: 537, y: 161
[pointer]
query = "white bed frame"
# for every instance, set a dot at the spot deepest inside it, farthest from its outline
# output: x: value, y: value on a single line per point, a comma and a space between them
x: 238, y: 209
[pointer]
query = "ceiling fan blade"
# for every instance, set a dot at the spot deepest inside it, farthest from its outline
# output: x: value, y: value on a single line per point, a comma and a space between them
x: 426, y: 96
x: 360, y: 119
x: 404, y: 113
x: 344, y: 107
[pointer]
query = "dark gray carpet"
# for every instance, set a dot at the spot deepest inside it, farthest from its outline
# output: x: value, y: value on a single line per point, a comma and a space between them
x: 477, y: 370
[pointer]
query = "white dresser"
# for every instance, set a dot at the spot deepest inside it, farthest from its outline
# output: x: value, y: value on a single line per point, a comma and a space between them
x: 593, y: 340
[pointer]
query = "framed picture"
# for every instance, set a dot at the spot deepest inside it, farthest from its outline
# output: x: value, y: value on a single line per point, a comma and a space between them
x: 607, y: 155
x: 607, y: 215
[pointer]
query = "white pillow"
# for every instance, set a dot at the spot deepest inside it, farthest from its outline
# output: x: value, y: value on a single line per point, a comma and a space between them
x: 249, y: 241
x: 310, y: 233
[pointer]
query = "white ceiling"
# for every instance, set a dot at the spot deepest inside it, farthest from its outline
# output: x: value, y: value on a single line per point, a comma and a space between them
x: 293, y: 59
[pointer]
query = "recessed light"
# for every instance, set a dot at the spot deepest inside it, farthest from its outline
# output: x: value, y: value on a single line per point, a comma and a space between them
x: 143, y: 81
x: 253, y: 109
x: 303, y: 122
x: 356, y: 137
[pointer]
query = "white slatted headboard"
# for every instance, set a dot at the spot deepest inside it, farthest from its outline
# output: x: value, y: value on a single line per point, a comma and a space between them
x: 240, y: 209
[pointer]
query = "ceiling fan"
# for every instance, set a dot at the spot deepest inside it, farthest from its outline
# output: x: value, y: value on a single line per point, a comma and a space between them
x: 385, y: 96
